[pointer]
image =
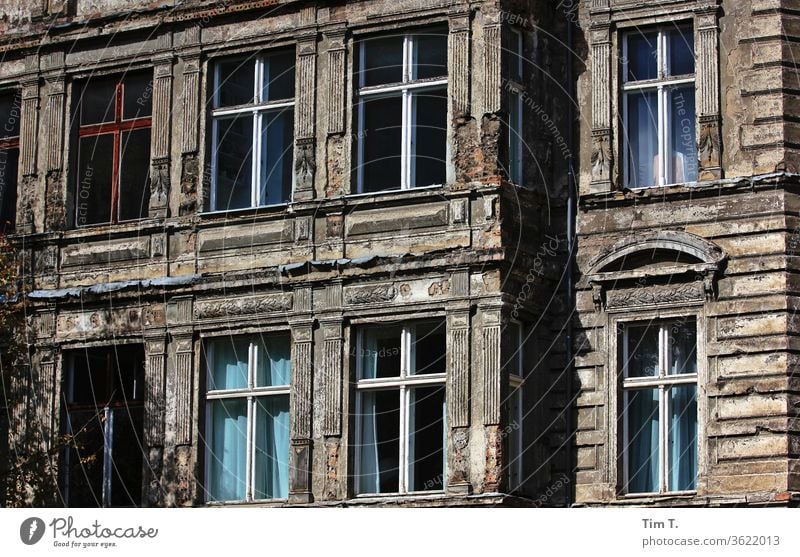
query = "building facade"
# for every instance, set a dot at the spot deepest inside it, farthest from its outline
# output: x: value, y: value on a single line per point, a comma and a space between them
x: 456, y: 253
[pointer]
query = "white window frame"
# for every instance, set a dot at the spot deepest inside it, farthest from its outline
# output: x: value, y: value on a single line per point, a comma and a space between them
x: 516, y: 383
x: 258, y: 109
x: 661, y: 85
x: 515, y: 89
x: 662, y: 382
x: 404, y: 383
x: 251, y: 393
x: 406, y: 90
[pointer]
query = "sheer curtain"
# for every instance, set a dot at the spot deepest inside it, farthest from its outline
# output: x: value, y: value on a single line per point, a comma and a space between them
x: 272, y: 448
x: 642, y: 139
x: 228, y: 459
x: 229, y: 365
x: 274, y: 361
x: 643, y: 441
x: 683, y: 438
x: 369, y: 471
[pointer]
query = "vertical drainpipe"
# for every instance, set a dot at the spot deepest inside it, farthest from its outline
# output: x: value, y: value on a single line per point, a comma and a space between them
x: 571, y: 202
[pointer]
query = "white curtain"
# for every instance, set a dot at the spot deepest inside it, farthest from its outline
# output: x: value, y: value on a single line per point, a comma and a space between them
x: 272, y: 448
x: 274, y: 361
x: 228, y: 459
x: 369, y: 471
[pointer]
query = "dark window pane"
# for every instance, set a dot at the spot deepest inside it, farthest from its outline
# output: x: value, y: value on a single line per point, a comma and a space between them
x: 682, y: 347
x: 137, y: 96
x: 134, y: 175
x: 429, y: 349
x: 429, y: 138
x: 380, y: 355
x: 681, y: 52
x: 514, y: 138
x: 642, y: 351
x: 512, y: 53
x: 379, y: 444
x: 9, y: 160
x: 641, y: 446
x: 236, y: 82
x: 642, y: 139
x: 642, y: 56
x: 83, y: 461
x: 380, y: 141
x: 383, y: 61
x: 95, y: 174
x: 102, y: 375
x: 277, y: 149
x: 683, y: 163
x: 426, y: 443
x: 278, y: 76
x: 10, y: 115
x: 124, y: 457
x: 97, y: 101
x: 233, y: 178
x: 430, y: 55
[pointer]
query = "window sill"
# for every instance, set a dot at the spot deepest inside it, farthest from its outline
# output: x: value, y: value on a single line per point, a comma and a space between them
x: 244, y: 211
x: 255, y: 502
x: 358, y: 195
x: 656, y: 495
x: 410, y: 495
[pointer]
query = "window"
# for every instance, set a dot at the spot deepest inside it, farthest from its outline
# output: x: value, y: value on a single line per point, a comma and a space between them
x: 400, y: 408
x: 659, y: 107
x: 103, y: 401
x: 247, y: 419
x: 515, y: 406
x: 10, y: 117
x: 659, y: 411
x: 401, y: 111
x: 112, y: 184
x: 252, y: 131
x: 514, y: 56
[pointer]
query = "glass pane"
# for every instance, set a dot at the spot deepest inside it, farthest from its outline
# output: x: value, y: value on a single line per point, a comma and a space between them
x: 379, y: 446
x: 95, y: 175
x: 428, y: 348
x: 97, y: 101
x: 683, y: 347
x: 134, y: 175
x: 277, y: 153
x: 274, y: 360
x: 642, y: 139
x: 517, y: 346
x: 430, y: 55
x: 381, y: 352
x: 9, y: 162
x: 642, y: 56
x: 380, y: 138
x: 125, y: 456
x: 514, y: 139
x: 383, y: 60
x: 233, y: 177
x: 681, y: 52
x: 682, y: 438
x: 512, y: 55
x: 102, y: 375
x: 641, y: 447
x: 227, y: 457
x: 642, y: 351
x: 427, y: 439
x: 236, y: 82
x: 10, y: 115
x: 83, y: 461
x: 428, y: 137
x: 137, y: 96
x: 228, y: 363
x: 272, y: 448
x: 683, y: 149
x: 278, y: 76
x: 514, y: 440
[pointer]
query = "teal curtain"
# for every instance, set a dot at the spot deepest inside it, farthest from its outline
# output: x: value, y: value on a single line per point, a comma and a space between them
x: 228, y: 458
x: 369, y: 472
x: 683, y: 438
x: 228, y: 364
x: 272, y: 448
x: 642, y: 443
x: 274, y: 361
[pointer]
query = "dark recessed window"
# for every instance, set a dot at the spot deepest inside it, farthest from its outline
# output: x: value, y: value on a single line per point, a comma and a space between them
x: 10, y: 121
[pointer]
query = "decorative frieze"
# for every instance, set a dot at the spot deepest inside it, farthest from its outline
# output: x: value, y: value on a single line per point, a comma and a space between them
x: 242, y: 306
x: 643, y: 296
x: 356, y: 295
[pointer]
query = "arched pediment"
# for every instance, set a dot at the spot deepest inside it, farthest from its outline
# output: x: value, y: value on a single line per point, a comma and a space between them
x: 662, y: 250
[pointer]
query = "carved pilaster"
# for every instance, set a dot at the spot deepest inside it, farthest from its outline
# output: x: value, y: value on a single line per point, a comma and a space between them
x: 190, y: 175
x: 300, y: 412
x: 28, y: 126
x: 707, y: 95
x: 602, y: 153
x: 337, y: 79
x: 305, y: 92
x: 458, y: 398
x: 492, y: 69
x: 459, y: 63
x: 182, y: 392
x: 332, y: 377
x: 491, y: 339
x: 159, y: 174
x: 154, y: 412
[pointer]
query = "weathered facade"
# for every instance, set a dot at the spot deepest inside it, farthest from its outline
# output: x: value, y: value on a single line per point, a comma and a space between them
x: 493, y: 283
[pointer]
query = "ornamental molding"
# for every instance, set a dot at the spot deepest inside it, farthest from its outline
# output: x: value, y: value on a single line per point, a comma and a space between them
x: 243, y: 306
